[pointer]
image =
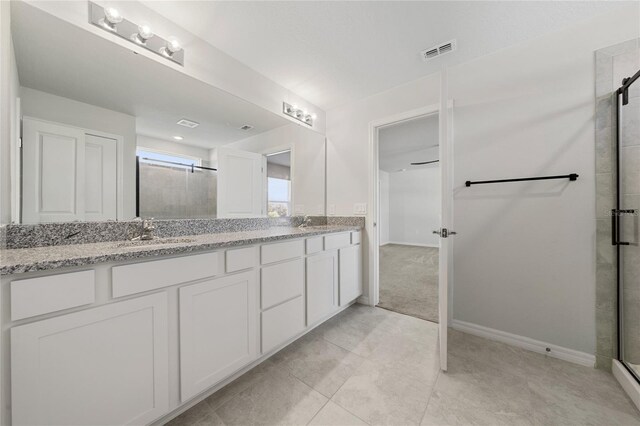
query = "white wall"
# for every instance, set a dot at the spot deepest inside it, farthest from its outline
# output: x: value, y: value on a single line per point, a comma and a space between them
x: 143, y: 141
x: 383, y: 218
x: 49, y: 107
x: 308, y: 162
x: 524, y: 256
x: 414, y: 206
x: 202, y: 60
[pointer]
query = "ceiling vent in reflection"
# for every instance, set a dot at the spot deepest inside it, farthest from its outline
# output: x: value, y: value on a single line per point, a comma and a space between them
x: 246, y: 127
x: 188, y: 123
x: 439, y: 50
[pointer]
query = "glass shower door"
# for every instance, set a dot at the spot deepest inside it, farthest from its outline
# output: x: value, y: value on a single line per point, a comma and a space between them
x: 625, y: 224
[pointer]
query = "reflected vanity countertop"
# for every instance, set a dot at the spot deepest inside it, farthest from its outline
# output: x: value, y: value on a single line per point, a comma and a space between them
x: 15, y: 261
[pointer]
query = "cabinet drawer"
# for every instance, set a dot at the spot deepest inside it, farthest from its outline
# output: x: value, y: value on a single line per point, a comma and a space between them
x: 37, y: 296
x: 281, y: 282
x: 355, y: 237
x: 314, y: 245
x: 239, y: 259
x: 281, y: 323
x: 332, y: 242
x: 139, y: 277
x: 281, y: 251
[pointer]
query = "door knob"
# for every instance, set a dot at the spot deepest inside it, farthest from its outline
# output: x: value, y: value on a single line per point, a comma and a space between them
x: 444, y: 232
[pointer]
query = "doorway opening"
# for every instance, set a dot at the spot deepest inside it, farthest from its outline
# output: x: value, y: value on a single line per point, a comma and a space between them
x: 279, y: 199
x: 409, y: 210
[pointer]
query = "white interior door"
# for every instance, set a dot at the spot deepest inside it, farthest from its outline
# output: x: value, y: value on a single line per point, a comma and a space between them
x: 240, y: 184
x: 100, y: 178
x: 52, y: 172
x: 446, y: 232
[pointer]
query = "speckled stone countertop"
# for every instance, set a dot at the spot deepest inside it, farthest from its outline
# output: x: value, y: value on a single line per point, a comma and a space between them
x: 15, y: 261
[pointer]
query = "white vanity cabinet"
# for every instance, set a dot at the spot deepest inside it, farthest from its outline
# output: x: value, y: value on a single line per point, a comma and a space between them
x: 132, y: 342
x: 350, y: 265
x: 322, y: 286
x: 106, y: 365
x: 218, y: 330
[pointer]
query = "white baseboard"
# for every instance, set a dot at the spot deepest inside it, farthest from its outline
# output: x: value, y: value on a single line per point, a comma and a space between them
x: 627, y: 381
x: 533, y: 345
x: 411, y: 244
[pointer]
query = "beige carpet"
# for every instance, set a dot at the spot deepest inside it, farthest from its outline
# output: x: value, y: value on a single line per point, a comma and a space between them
x: 409, y: 280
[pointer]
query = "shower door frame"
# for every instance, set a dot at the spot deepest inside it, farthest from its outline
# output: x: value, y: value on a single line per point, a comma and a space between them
x: 621, y: 92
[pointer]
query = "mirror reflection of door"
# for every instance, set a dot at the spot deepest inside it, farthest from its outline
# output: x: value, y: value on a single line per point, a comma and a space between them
x: 279, y: 202
x: 69, y: 174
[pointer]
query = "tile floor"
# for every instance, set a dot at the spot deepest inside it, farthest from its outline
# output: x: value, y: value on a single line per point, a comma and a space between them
x: 373, y: 366
x: 409, y: 280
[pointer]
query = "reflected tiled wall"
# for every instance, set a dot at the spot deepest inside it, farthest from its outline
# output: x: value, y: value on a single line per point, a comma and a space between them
x: 612, y: 64
x: 175, y: 193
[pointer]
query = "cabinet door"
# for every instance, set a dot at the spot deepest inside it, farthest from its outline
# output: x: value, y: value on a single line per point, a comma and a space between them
x: 218, y: 326
x: 322, y: 286
x: 350, y: 261
x: 103, y: 366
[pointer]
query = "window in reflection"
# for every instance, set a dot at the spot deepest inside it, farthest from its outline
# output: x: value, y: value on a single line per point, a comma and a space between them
x: 279, y: 184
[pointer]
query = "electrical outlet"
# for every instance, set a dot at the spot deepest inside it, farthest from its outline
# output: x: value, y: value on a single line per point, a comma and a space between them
x: 299, y: 210
x: 332, y: 210
x: 360, y: 208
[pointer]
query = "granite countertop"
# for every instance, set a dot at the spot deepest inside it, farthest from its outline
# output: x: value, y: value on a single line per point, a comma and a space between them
x: 15, y: 261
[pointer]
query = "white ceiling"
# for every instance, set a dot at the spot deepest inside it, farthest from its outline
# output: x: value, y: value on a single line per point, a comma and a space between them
x: 408, y: 142
x: 334, y: 52
x: 62, y: 59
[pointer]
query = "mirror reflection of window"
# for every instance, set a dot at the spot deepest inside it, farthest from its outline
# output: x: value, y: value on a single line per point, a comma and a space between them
x: 279, y: 184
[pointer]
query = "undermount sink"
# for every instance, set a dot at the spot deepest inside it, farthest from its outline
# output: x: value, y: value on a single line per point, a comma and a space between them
x: 152, y: 243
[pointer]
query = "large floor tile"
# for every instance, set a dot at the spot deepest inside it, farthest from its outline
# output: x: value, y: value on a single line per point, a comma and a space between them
x: 418, y: 358
x: 448, y: 410
x: 355, y: 336
x: 279, y: 399
x: 334, y: 415
x: 194, y: 415
x: 384, y: 396
x: 241, y: 383
x: 319, y: 363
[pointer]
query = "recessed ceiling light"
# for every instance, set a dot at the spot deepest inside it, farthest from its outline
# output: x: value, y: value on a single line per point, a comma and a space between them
x: 178, y: 138
x: 246, y: 127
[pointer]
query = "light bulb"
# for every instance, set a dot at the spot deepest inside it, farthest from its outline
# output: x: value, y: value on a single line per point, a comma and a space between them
x: 314, y: 116
x: 174, y: 46
x: 144, y: 33
x: 112, y: 16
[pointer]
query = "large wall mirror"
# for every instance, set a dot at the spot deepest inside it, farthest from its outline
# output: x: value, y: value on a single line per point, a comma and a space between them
x: 110, y: 135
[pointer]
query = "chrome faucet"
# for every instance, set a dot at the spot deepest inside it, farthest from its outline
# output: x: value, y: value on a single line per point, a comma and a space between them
x: 146, y: 230
x: 305, y: 222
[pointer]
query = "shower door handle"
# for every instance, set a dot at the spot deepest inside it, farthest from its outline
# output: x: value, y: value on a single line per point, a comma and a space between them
x: 615, y: 213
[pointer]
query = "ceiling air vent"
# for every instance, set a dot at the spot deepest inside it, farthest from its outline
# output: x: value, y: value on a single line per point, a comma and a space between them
x: 246, y: 127
x: 439, y: 50
x: 188, y: 123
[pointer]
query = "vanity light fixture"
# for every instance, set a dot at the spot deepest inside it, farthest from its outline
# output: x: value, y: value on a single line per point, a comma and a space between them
x: 298, y: 113
x: 112, y: 20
